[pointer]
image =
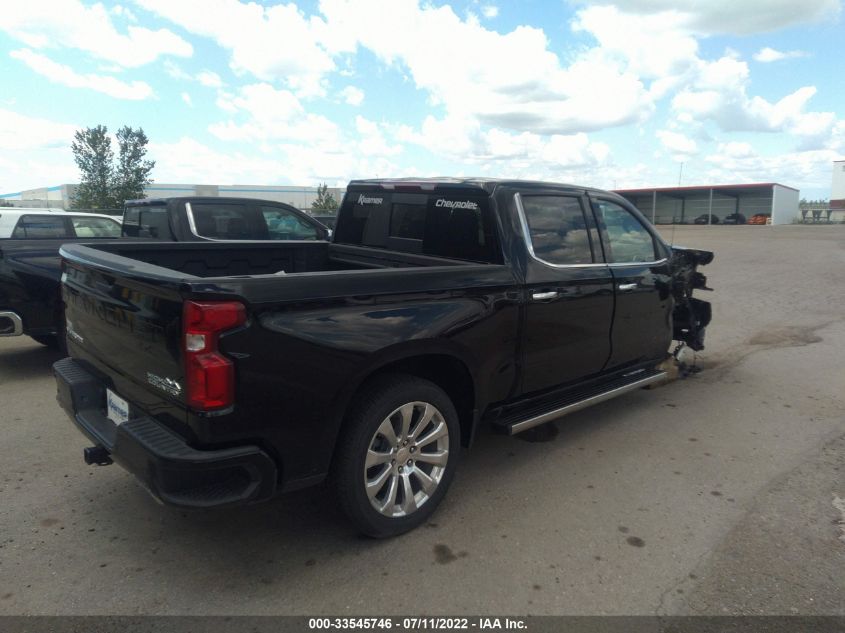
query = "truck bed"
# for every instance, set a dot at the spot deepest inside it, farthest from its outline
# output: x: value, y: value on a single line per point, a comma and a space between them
x: 233, y: 259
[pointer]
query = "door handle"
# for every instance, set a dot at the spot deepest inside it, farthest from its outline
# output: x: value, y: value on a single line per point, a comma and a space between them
x: 545, y: 296
x: 626, y: 287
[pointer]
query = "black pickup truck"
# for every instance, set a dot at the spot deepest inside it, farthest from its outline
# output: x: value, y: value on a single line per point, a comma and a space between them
x: 197, y: 218
x: 30, y: 267
x: 221, y: 374
x: 30, y: 301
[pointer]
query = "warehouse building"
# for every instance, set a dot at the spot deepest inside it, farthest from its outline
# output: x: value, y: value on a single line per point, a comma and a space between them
x: 714, y: 204
x: 61, y: 196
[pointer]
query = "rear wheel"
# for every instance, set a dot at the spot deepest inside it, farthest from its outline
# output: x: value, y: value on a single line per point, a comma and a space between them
x: 397, y: 455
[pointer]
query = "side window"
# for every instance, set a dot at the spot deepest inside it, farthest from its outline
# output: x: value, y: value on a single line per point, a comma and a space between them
x: 558, y: 229
x: 95, y: 227
x: 626, y: 239
x: 284, y: 225
x: 34, y: 227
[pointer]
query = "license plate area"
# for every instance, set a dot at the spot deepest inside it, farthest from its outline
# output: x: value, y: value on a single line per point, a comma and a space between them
x: 117, y: 409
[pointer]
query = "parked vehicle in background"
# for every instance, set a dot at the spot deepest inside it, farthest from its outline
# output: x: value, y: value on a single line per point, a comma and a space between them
x: 702, y: 219
x: 734, y: 218
x: 30, y: 266
x: 194, y: 218
x: 760, y: 218
x: 221, y: 374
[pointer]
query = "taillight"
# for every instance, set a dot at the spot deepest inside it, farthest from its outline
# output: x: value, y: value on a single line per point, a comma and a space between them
x: 209, y: 376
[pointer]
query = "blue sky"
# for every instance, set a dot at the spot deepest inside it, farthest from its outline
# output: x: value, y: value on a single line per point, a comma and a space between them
x: 613, y: 94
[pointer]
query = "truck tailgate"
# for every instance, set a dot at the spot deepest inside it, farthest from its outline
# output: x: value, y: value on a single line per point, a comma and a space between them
x: 129, y: 333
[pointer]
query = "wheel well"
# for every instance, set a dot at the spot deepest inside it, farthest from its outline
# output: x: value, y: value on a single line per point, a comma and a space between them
x: 448, y: 373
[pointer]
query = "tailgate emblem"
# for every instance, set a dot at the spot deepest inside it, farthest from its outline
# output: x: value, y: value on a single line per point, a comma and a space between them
x: 167, y: 385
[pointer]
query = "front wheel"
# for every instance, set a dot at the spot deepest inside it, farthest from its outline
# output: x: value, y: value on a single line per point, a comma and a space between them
x: 397, y: 455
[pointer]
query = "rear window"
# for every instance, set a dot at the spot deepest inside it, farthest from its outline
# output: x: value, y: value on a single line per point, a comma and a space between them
x: 34, y: 227
x: 453, y: 226
x: 146, y: 221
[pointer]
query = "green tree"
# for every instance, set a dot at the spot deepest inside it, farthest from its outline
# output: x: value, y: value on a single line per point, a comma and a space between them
x: 132, y: 172
x: 103, y: 183
x: 94, y: 156
x: 325, y: 201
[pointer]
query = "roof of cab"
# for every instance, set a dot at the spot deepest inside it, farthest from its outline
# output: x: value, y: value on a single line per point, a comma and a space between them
x: 487, y: 185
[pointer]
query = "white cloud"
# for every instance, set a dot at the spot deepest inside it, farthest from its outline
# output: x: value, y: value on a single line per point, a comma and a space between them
x: 490, y: 11
x: 804, y: 169
x: 371, y: 140
x: 509, y: 80
x: 767, y: 54
x: 65, y: 75
x: 352, y: 95
x: 499, y: 152
x: 679, y: 145
x: 21, y: 132
x: 271, y: 114
x: 175, y: 71
x: 719, y: 93
x: 731, y: 16
x: 72, y: 24
x: 124, y: 12
x: 651, y: 46
x: 271, y: 43
x: 187, y: 99
x: 188, y: 160
x: 36, y: 152
x: 206, y: 78
x: 209, y: 79
x: 736, y: 149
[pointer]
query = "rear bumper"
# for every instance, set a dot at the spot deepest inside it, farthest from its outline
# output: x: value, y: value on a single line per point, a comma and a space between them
x: 10, y: 324
x: 172, y: 471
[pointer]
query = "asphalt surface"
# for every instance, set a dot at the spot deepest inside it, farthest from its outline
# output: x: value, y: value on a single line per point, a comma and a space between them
x: 720, y: 493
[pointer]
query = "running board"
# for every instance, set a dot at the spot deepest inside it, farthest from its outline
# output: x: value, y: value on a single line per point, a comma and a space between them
x: 582, y: 401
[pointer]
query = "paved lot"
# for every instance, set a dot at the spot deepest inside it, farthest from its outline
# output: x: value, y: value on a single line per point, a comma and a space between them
x: 722, y: 493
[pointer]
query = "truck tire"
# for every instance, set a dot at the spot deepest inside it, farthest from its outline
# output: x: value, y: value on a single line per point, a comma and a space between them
x: 396, y: 455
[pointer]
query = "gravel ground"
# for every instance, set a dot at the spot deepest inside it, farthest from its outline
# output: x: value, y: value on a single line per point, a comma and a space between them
x: 723, y: 493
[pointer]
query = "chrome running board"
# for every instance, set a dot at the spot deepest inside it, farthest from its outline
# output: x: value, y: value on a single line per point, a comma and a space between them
x: 617, y: 390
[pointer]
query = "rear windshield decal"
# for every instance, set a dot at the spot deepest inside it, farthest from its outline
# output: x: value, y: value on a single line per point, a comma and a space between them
x: 456, y: 204
x: 362, y: 199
